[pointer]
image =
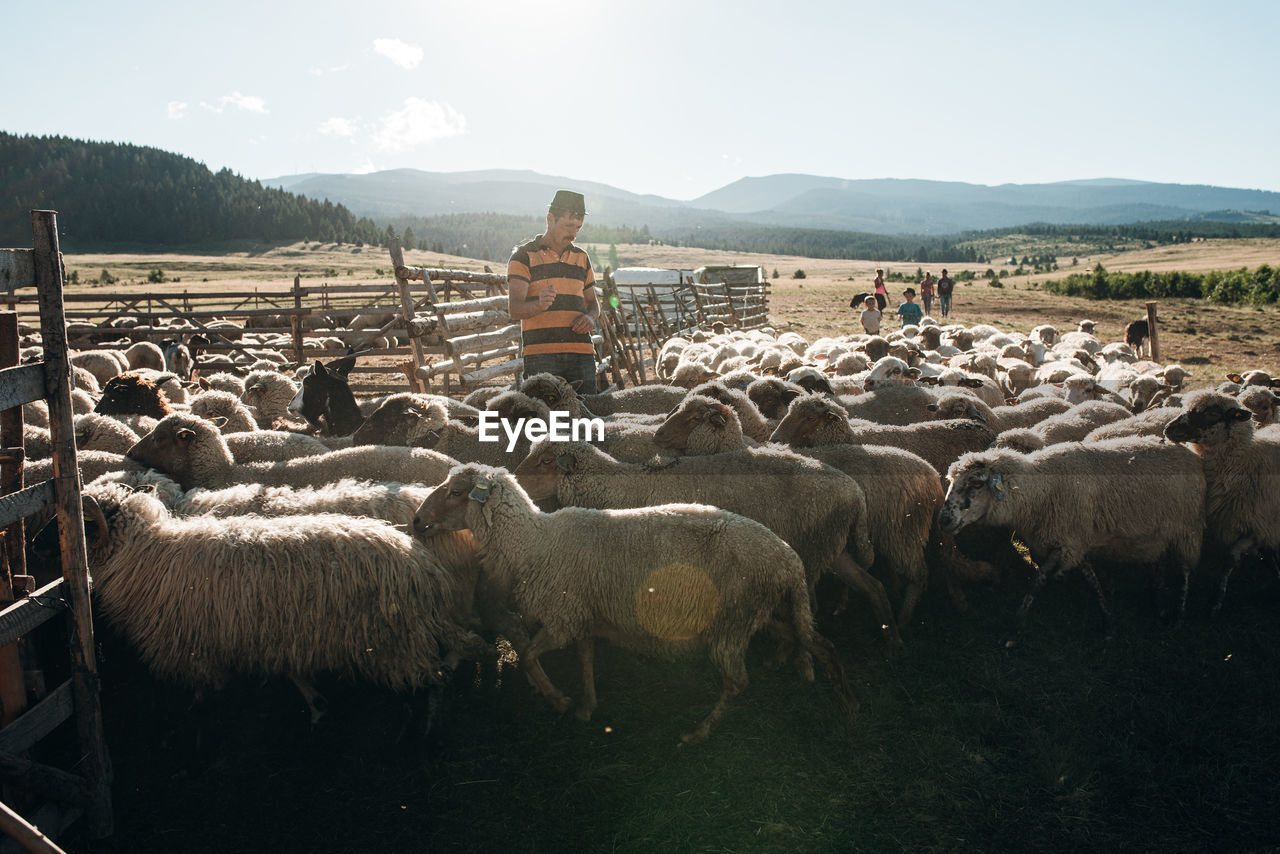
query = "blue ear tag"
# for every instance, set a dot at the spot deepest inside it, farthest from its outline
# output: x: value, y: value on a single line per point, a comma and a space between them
x: 480, y: 492
x: 996, y: 482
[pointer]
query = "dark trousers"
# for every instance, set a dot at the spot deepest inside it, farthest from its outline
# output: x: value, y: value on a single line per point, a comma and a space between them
x: 944, y: 303
x: 928, y: 302
x: 568, y: 366
x: 881, y: 301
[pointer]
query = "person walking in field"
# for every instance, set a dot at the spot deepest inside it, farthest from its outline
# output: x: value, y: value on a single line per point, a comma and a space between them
x: 926, y: 292
x: 882, y: 295
x: 552, y: 293
x: 945, y: 286
x: 870, y: 316
x: 908, y: 310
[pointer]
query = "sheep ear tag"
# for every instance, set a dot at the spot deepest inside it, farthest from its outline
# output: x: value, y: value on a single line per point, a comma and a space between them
x: 996, y: 482
x: 480, y: 492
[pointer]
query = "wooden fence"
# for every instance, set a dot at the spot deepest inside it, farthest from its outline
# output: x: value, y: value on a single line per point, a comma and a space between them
x: 53, y: 797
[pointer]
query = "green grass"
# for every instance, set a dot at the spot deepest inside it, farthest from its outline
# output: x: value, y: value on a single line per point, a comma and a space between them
x: 1162, y: 739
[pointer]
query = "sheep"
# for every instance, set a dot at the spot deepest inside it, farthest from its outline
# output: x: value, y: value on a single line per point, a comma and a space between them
x: 36, y: 442
x: 817, y: 510
x: 103, y: 364
x: 82, y: 379
x: 1023, y: 440
x: 1149, y: 423
x: 681, y: 579
x: 1242, y: 468
x: 644, y: 399
x: 201, y: 599
x: 194, y: 453
x: 169, y: 384
x: 1078, y: 421
x: 102, y: 433
x: 267, y: 394
x: 1249, y: 378
x: 1073, y: 502
x: 812, y: 421
x: 418, y: 421
x: 145, y: 354
x: 132, y: 394
x: 998, y: 418
x: 772, y: 396
x: 269, y: 446
x: 222, y: 382
x: 903, y: 492
x: 232, y: 415
x: 892, y: 405
x: 1262, y: 402
x: 753, y: 423
x: 177, y: 358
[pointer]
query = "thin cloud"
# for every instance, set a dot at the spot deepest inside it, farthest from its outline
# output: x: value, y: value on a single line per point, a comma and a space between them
x: 401, y: 53
x: 365, y: 168
x: 247, y: 103
x: 320, y: 72
x: 419, y: 123
x: 337, y: 126
x: 177, y: 109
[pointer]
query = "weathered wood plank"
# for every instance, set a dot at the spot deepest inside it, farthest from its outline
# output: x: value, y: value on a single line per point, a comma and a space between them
x: 39, y: 721
x: 471, y: 343
x: 512, y: 367
x: 22, y: 617
x: 24, y: 502
x: 17, y: 268
x: 450, y: 309
x: 20, y: 385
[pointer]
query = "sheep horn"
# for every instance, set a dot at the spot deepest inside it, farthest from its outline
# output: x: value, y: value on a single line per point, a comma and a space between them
x: 98, y: 518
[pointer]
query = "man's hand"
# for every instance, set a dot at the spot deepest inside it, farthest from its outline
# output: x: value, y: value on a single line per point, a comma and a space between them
x: 582, y: 324
x: 546, y: 297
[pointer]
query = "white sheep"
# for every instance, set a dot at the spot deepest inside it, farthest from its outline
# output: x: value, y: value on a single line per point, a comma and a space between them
x: 1073, y: 502
x: 1242, y: 468
x: 194, y: 453
x: 202, y: 599
x: 669, y: 580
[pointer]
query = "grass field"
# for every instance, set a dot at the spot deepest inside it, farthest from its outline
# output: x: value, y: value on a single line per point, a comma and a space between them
x: 1163, y: 739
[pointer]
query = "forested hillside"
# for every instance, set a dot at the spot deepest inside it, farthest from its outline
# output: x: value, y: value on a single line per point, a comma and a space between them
x: 110, y: 193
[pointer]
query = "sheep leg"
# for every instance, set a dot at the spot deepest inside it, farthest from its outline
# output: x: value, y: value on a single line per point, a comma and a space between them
x: 315, y: 700
x: 1242, y: 547
x: 543, y: 642
x: 587, y: 658
x: 732, y: 665
x: 1046, y: 569
x: 1092, y: 577
x: 863, y: 582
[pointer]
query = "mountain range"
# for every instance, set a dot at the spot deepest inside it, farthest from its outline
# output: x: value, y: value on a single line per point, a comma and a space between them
x: 880, y: 206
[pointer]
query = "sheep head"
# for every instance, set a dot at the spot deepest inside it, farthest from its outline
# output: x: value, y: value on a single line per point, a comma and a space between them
x: 467, y: 500
x: 555, y: 392
x: 811, y: 419
x: 956, y: 406
x: 696, y: 412
x: 402, y: 419
x: 130, y: 394
x: 172, y: 444
x: 542, y: 473
x: 772, y: 396
x: 1211, y: 418
x: 976, y: 484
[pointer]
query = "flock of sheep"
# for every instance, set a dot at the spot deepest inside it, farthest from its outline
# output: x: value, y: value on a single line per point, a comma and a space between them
x: 242, y: 523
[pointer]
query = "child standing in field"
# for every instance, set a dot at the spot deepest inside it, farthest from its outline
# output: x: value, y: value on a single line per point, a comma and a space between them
x: 908, y: 310
x: 870, y: 316
x: 882, y: 295
x: 945, y: 285
x: 926, y: 292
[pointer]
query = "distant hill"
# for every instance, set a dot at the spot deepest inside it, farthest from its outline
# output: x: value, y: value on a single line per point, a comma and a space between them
x: 110, y: 193
x: 878, y: 206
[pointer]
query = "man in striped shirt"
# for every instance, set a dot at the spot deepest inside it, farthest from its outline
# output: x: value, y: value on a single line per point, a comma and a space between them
x: 551, y: 291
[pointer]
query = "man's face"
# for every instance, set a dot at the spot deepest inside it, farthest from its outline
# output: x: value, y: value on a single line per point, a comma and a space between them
x: 562, y: 229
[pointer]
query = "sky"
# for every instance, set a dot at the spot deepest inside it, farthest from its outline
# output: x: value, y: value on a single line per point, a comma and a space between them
x: 671, y: 97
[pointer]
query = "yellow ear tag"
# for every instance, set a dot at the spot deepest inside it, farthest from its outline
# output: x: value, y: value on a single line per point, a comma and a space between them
x: 996, y: 482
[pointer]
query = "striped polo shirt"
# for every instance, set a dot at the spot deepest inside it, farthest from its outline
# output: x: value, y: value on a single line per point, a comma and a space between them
x: 571, y: 275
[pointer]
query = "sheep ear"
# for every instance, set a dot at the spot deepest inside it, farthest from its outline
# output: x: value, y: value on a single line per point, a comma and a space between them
x: 217, y: 421
x: 932, y: 407
x: 929, y: 380
x: 996, y: 482
x: 185, y: 435
x: 256, y: 387
x: 914, y: 373
x: 971, y: 382
x: 1236, y: 378
x: 479, y: 492
x: 1275, y: 383
x: 565, y: 463
x: 718, y: 418
x: 975, y: 414
x: 1241, y: 415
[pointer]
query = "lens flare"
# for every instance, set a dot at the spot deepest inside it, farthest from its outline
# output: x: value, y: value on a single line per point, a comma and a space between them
x: 677, y: 602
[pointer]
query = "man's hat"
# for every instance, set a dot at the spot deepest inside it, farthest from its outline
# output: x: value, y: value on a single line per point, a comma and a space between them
x: 568, y: 200
x: 909, y: 292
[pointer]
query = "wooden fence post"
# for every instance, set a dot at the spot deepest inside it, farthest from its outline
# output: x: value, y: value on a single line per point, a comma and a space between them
x: 295, y: 321
x: 1151, y: 332
x: 13, y: 693
x: 84, y: 677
